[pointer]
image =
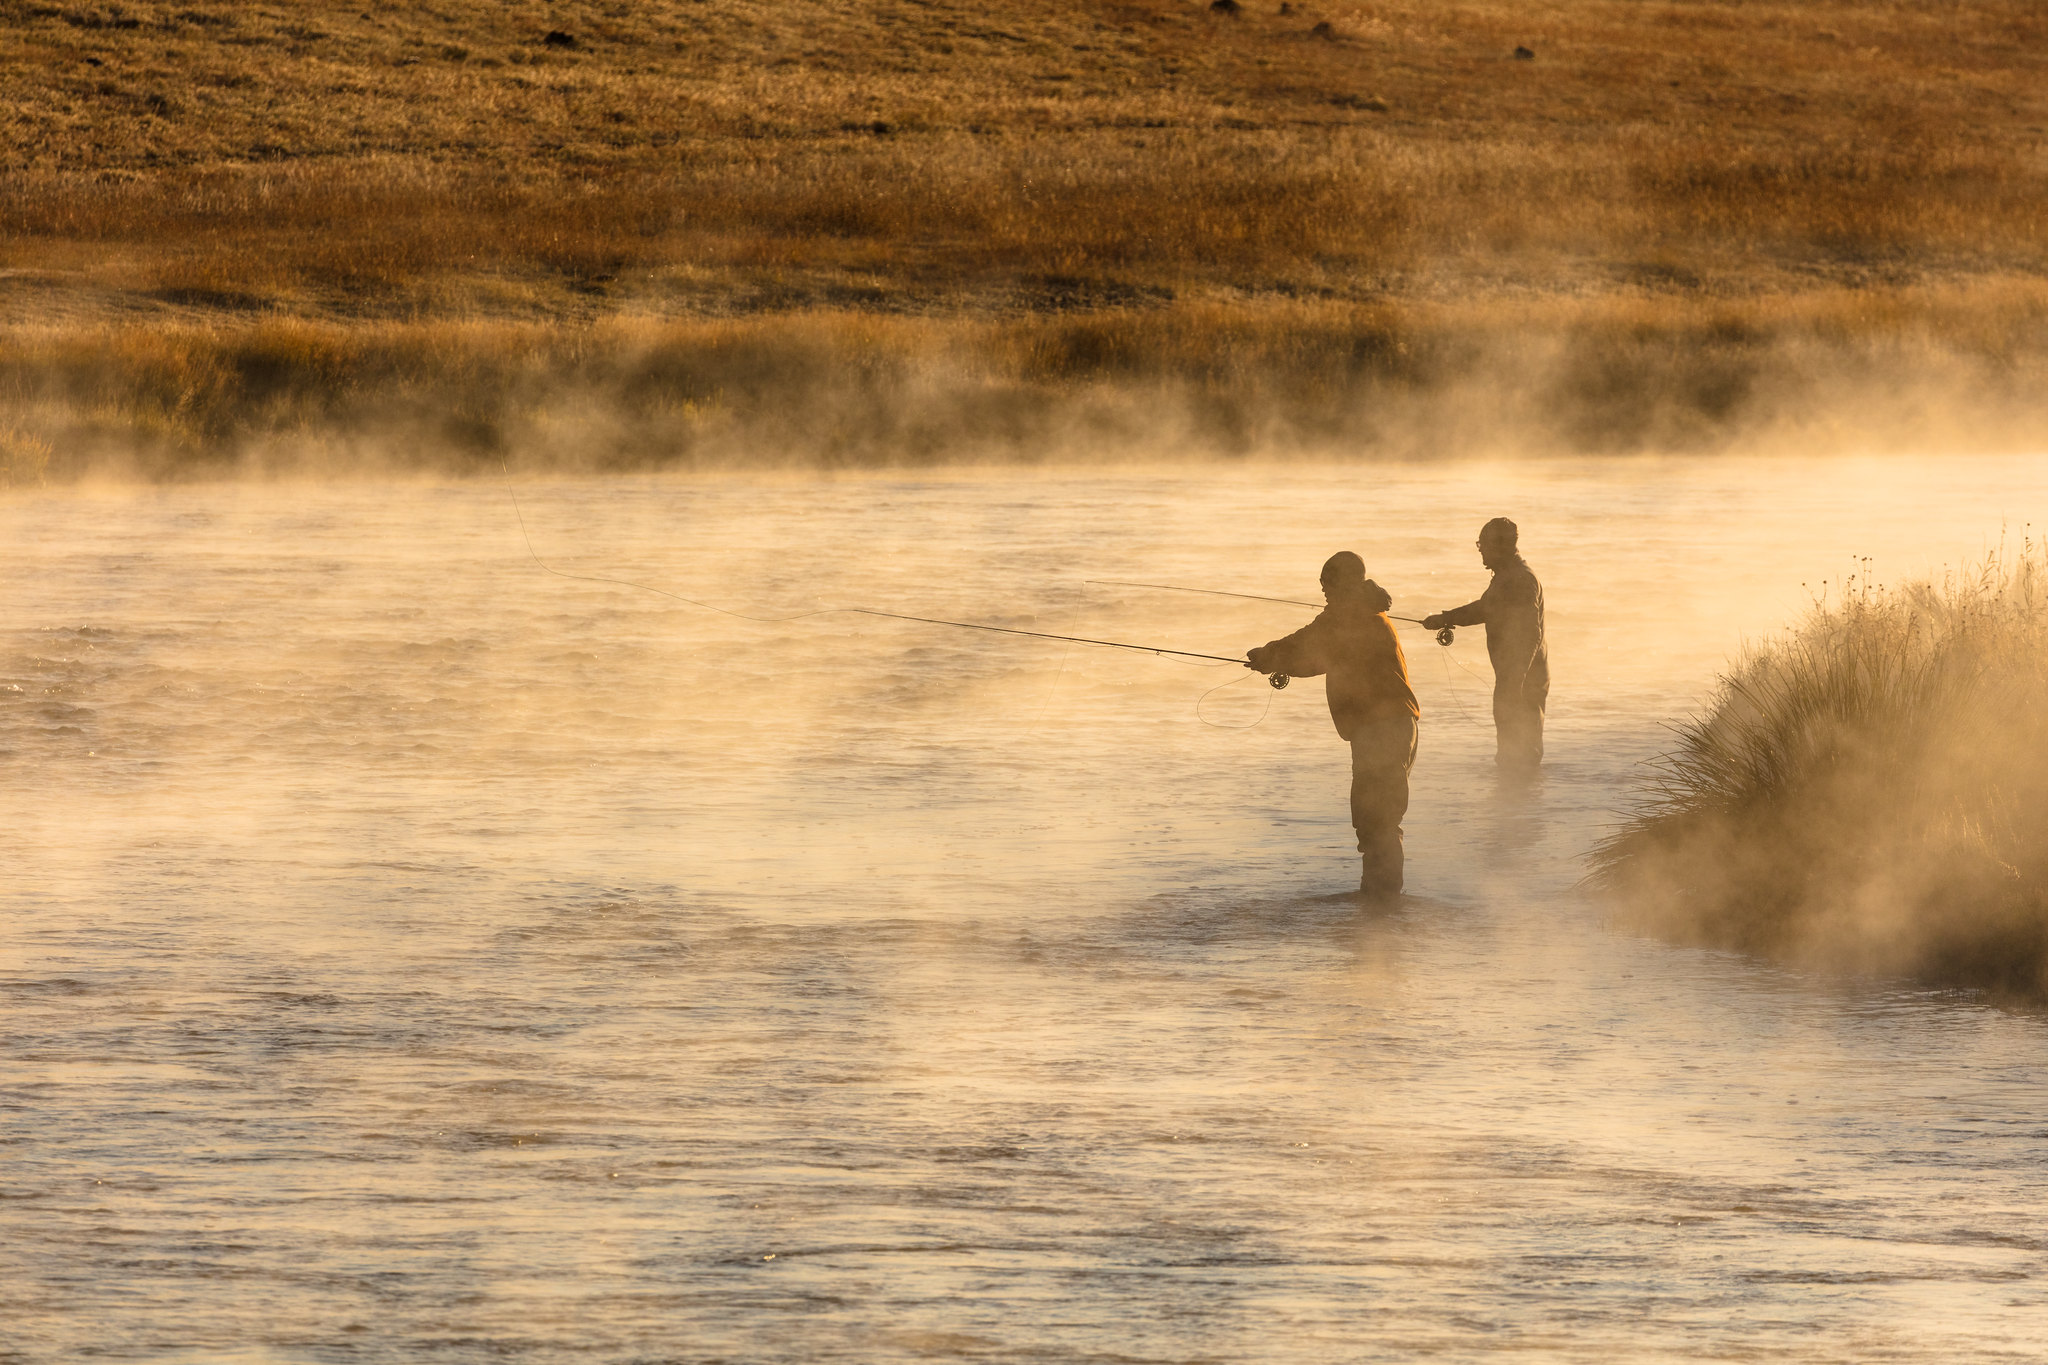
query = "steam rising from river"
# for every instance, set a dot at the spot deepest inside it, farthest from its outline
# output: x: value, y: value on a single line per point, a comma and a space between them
x: 1832, y: 373
x: 412, y: 952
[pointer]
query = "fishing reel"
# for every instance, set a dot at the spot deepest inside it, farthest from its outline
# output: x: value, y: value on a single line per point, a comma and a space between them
x: 1446, y: 635
x: 1278, y: 680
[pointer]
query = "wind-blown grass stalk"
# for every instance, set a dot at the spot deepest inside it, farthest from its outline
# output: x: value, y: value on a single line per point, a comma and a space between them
x: 1867, y: 793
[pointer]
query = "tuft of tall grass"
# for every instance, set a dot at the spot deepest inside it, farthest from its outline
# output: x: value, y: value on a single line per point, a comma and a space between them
x: 24, y: 458
x: 1869, y: 793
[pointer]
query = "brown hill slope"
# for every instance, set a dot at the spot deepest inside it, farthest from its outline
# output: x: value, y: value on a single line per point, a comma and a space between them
x: 1274, y: 207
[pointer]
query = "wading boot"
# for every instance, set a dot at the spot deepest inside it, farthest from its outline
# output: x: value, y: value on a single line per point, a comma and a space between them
x: 1379, y: 874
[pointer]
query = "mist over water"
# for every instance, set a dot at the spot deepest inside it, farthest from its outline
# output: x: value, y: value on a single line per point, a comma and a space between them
x: 407, y: 954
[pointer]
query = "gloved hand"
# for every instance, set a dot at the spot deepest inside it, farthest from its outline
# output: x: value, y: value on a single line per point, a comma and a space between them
x: 1255, y: 660
x: 1436, y: 622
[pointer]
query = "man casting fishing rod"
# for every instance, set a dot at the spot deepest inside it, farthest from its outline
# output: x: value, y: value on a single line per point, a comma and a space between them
x: 1371, y: 704
x: 1512, y: 610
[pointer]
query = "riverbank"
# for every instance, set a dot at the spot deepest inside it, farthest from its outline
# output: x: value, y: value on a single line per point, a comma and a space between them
x: 1804, y: 374
x: 920, y: 233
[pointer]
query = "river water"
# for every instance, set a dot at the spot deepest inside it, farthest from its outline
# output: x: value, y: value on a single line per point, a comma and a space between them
x: 406, y: 954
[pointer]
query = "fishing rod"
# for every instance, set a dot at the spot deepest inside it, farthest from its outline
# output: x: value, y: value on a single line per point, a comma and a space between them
x: 1443, y: 637
x: 1278, y: 680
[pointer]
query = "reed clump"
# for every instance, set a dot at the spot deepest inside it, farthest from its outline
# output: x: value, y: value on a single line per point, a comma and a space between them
x: 1869, y: 793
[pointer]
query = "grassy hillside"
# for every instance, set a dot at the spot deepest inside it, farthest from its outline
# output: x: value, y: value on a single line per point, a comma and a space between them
x: 1668, y: 224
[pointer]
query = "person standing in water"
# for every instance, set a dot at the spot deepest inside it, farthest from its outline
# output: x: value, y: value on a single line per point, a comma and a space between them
x: 1512, y: 610
x: 1371, y: 704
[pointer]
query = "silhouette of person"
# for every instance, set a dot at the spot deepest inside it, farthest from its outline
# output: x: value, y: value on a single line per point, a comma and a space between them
x: 1512, y: 610
x: 1371, y: 704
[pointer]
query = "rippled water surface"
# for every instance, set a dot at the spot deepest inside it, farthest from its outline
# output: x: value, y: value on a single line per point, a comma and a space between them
x: 409, y: 955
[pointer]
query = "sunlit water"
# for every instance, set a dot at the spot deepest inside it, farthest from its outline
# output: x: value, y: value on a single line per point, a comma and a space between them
x: 409, y: 955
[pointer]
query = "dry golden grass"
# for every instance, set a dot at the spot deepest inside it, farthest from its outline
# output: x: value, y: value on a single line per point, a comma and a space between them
x: 1146, y: 183
x: 1868, y: 792
x: 1907, y: 369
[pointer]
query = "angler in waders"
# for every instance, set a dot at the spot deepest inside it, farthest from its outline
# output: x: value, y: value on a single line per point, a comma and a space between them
x: 1371, y: 704
x: 1512, y: 610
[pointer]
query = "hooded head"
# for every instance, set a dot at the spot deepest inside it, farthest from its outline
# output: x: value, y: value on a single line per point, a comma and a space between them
x: 1344, y: 580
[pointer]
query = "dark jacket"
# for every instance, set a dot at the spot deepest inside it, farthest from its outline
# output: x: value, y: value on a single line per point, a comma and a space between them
x: 1512, y: 610
x: 1354, y: 643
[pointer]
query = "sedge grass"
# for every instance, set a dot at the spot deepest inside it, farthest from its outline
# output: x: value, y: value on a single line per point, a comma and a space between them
x: 1869, y: 793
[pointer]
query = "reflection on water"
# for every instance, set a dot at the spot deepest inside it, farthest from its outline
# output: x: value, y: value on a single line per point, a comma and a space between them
x: 412, y: 956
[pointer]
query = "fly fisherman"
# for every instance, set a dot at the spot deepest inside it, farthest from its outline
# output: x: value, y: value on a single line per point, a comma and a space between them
x: 1370, y: 701
x: 1512, y: 610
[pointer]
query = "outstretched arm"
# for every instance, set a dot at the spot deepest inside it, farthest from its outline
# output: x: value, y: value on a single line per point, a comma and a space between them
x: 1299, y: 655
x: 1471, y: 614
